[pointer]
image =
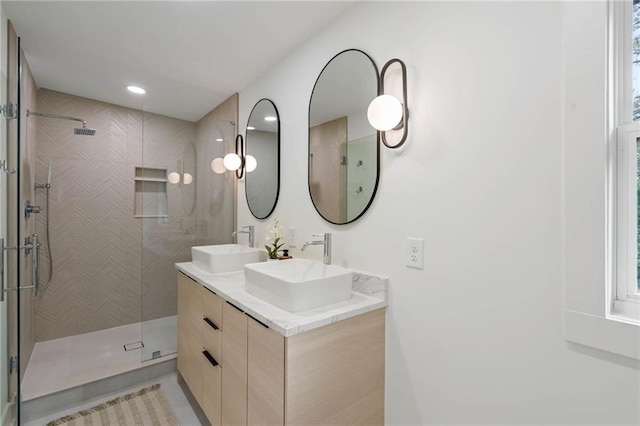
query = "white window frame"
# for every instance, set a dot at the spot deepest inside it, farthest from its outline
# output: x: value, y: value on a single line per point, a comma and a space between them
x: 593, y: 111
x: 625, y: 300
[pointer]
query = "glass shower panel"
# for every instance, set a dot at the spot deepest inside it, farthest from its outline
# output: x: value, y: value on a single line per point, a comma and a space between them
x: 4, y: 353
x: 180, y: 202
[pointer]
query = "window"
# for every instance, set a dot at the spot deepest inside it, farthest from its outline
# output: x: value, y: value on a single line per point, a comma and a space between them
x: 600, y: 177
x: 635, y: 55
x: 626, y: 294
x: 625, y: 185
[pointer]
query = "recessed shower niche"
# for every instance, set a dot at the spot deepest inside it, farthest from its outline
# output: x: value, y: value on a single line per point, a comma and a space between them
x: 150, y: 197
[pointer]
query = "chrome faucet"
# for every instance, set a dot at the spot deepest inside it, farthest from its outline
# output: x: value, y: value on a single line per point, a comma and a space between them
x: 249, y: 231
x: 326, y: 242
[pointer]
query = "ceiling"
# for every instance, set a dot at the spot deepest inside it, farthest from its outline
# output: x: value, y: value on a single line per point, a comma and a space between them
x: 189, y: 56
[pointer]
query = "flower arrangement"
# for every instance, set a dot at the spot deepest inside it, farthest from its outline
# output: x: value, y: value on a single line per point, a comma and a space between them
x: 274, y: 239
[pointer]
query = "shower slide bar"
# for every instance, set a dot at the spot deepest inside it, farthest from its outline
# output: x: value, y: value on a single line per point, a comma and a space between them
x: 29, y: 244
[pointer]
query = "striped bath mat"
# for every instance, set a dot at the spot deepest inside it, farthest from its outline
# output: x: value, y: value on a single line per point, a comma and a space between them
x: 147, y: 406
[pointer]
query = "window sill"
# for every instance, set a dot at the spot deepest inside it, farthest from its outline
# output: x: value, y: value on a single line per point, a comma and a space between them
x: 627, y: 311
x: 614, y: 334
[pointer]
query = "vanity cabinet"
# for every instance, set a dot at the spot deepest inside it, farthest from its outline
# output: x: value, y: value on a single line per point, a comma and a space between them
x: 265, y: 371
x: 189, y: 335
x: 333, y: 374
x: 234, y: 373
x: 200, y: 344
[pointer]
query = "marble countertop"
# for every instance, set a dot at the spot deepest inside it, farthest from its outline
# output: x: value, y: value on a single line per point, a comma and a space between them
x: 369, y: 293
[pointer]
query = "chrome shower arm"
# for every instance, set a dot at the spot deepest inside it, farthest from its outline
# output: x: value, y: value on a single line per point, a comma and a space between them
x: 60, y: 117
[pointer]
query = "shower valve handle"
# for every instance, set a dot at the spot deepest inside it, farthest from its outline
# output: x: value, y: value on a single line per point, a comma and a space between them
x: 29, y: 208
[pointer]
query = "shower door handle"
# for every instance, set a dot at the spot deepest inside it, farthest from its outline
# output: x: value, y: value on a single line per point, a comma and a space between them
x: 1, y: 269
x: 35, y: 264
x: 29, y: 245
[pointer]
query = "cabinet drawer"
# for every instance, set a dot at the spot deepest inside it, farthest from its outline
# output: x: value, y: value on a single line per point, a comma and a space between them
x: 212, y: 341
x: 211, y: 306
x: 211, y: 390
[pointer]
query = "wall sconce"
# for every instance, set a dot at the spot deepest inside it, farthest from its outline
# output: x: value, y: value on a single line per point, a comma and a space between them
x: 388, y: 113
x: 235, y: 162
x: 180, y: 176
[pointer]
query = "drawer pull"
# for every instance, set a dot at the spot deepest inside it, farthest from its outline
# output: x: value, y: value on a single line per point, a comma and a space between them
x: 211, y: 323
x: 211, y: 359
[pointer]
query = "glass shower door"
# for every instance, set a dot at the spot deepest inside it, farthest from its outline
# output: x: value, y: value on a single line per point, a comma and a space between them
x: 17, y: 297
x: 164, y: 240
x: 181, y: 203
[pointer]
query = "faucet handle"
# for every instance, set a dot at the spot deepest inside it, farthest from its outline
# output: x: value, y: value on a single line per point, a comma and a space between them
x: 319, y: 235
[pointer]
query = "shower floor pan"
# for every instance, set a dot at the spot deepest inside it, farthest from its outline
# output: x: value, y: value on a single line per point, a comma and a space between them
x: 70, y: 370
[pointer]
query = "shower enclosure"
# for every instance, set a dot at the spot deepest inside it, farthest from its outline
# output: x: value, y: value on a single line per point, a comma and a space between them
x: 179, y: 203
x: 130, y: 192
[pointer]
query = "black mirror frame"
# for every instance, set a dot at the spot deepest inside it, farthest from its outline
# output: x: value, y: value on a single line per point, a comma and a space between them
x: 275, y: 201
x: 375, y: 187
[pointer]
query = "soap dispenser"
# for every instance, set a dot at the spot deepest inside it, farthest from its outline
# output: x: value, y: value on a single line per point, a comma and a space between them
x: 285, y: 255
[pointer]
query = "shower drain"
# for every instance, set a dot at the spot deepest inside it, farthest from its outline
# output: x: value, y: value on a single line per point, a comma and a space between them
x: 133, y: 346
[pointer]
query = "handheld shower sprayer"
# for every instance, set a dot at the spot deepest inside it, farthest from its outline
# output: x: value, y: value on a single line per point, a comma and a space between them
x: 84, y: 130
x: 48, y: 184
x: 46, y: 187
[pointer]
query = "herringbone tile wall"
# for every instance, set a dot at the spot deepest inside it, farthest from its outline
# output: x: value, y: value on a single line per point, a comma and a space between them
x: 111, y: 269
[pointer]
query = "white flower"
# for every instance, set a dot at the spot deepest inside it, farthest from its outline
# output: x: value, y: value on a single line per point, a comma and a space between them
x: 274, y: 239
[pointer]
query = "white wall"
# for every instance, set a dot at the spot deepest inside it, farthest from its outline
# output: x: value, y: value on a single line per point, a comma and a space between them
x: 476, y: 337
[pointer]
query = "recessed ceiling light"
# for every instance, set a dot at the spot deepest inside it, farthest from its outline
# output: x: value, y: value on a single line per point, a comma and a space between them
x: 250, y: 128
x: 219, y: 140
x: 137, y: 90
x: 270, y: 118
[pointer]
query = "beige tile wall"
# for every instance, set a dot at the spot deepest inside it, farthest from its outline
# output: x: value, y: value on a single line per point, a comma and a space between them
x: 111, y: 269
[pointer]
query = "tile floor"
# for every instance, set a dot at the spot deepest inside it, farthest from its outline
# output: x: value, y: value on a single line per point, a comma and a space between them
x: 169, y: 384
x: 72, y: 361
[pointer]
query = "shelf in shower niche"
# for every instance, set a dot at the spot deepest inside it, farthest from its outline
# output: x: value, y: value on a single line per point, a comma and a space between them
x: 151, y: 174
x: 150, y: 193
x: 149, y: 179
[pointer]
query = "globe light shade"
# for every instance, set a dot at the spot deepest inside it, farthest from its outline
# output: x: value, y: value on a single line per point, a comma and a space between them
x: 187, y: 178
x: 251, y: 163
x: 173, y: 178
x: 217, y: 165
x: 232, y: 161
x: 385, y: 112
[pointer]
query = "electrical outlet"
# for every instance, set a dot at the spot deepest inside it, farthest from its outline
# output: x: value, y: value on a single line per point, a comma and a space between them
x: 415, y: 253
x: 292, y: 237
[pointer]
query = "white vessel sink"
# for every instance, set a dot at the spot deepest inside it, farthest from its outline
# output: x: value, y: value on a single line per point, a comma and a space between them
x: 225, y: 257
x: 298, y: 284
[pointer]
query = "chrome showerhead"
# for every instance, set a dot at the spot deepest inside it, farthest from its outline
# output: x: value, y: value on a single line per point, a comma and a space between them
x: 84, y: 130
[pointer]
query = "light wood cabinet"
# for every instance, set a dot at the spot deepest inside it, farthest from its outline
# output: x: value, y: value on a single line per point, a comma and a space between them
x: 266, y: 369
x: 335, y: 374
x: 234, y: 373
x: 330, y: 375
x: 189, y: 335
x: 200, y: 344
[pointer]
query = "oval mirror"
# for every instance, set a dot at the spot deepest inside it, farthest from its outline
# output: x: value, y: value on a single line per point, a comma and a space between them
x: 189, y: 177
x: 343, y: 147
x: 262, y: 142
